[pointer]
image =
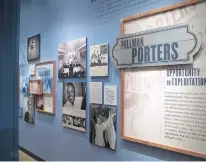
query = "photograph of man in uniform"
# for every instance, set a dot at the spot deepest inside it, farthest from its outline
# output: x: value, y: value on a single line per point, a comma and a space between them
x: 70, y: 100
x: 29, y: 109
x: 33, y: 48
x: 74, y: 105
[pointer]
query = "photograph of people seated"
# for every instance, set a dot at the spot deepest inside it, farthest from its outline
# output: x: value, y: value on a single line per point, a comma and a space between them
x: 72, y: 59
x: 99, y: 56
x: 103, y: 126
x: 74, y: 105
x: 29, y: 109
x: 99, y: 60
x: 74, y: 121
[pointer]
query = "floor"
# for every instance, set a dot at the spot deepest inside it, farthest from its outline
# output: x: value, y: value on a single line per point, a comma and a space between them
x: 24, y: 157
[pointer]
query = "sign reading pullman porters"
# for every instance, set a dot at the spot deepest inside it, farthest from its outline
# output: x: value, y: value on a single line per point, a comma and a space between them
x: 163, y: 46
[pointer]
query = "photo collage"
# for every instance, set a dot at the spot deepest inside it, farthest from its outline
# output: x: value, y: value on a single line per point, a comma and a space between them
x: 39, y: 87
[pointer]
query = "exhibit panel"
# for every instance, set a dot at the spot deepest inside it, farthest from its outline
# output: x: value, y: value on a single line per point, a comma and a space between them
x: 165, y: 106
x: 72, y: 58
x: 99, y: 60
x: 46, y: 101
x: 103, y: 118
x: 74, y: 105
x: 80, y: 103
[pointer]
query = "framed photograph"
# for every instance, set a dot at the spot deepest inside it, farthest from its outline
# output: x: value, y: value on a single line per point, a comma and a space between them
x: 35, y: 87
x: 74, y: 105
x: 72, y: 58
x: 29, y: 109
x: 48, y: 103
x: 44, y: 103
x: 39, y: 102
x: 45, y: 71
x: 103, y: 126
x: 33, y: 48
x: 99, y: 60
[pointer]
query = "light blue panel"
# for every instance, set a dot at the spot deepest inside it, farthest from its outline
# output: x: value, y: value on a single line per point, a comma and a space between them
x: 64, y: 20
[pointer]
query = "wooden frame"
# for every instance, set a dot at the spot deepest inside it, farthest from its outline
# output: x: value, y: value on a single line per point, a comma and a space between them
x: 53, y: 85
x: 131, y: 18
x: 35, y: 81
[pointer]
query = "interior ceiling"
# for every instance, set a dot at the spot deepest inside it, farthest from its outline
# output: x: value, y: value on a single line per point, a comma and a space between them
x: 71, y: 46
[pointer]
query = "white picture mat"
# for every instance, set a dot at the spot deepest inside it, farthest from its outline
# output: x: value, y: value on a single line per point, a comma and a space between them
x: 48, y: 103
x: 110, y: 95
x: 96, y: 71
x: 96, y: 92
x: 144, y: 120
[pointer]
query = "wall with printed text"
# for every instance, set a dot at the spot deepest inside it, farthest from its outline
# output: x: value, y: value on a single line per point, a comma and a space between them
x: 59, y: 21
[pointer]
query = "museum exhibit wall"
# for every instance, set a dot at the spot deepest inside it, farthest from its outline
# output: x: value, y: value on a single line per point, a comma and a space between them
x: 58, y: 21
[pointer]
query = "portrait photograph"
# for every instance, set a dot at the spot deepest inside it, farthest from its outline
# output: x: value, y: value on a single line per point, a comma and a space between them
x: 33, y: 52
x: 44, y: 72
x: 103, y: 126
x: 29, y: 109
x: 99, y: 60
x: 39, y: 102
x: 35, y: 87
x: 74, y: 105
x: 72, y: 58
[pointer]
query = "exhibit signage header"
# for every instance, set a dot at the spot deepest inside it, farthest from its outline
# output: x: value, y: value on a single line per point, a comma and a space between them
x: 163, y: 46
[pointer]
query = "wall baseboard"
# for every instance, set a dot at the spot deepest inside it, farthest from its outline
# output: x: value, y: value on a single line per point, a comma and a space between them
x: 30, y: 154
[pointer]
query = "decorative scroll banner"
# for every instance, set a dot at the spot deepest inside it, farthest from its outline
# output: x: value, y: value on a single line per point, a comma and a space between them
x: 163, y: 46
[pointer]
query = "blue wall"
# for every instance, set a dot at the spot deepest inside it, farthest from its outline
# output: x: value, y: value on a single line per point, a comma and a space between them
x: 62, y: 20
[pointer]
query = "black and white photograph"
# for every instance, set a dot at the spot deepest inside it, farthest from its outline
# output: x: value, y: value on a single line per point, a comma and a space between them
x: 29, y: 109
x: 74, y: 122
x: 72, y: 58
x: 74, y: 105
x: 33, y: 52
x: 103, y: 126
x: 99, y: 60
x: 39, y: 102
